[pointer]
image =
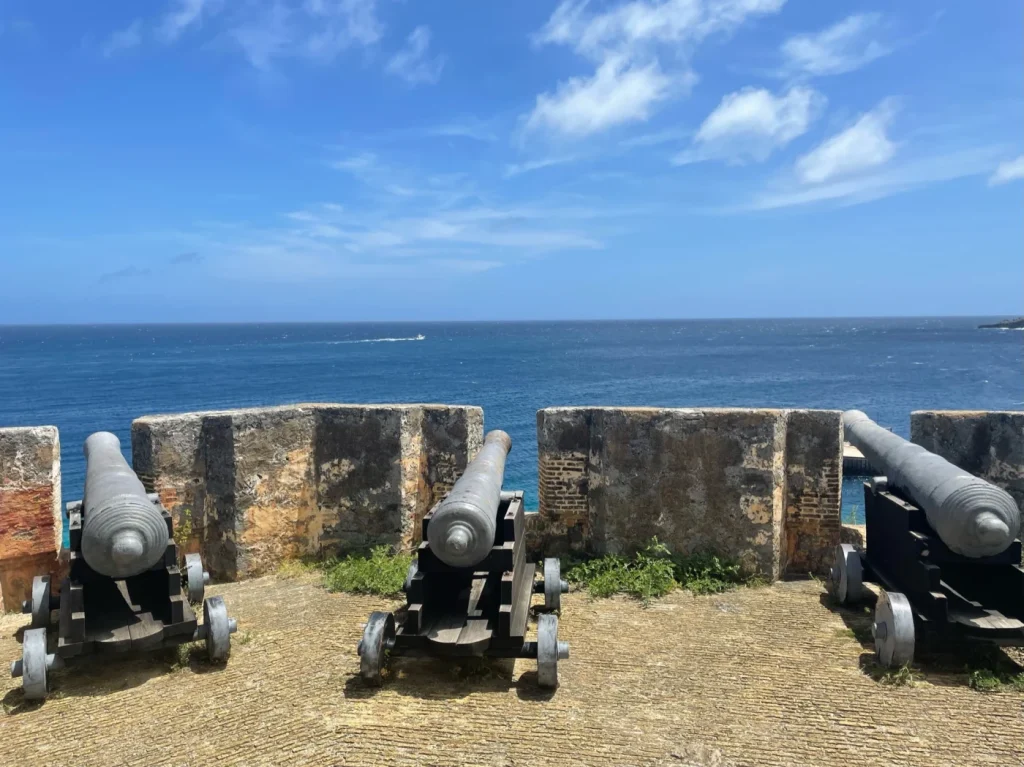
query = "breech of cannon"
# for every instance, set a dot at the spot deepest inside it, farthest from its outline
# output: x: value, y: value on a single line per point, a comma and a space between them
x: 461, y: 531
x: 123, y: 532
x: 971, y: 516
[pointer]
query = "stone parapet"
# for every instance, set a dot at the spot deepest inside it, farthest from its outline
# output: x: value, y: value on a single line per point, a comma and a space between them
x: 762, y: 486
x: 266, y: 484
x: 986, y: 443
x: 30, y: 509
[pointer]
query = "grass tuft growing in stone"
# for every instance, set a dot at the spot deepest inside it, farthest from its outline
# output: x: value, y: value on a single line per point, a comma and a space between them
x: 380, y: 572
x: 654, y: 571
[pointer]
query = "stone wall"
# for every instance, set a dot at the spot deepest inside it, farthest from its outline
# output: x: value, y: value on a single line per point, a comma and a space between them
x: 30, y: 510
x: 266, y: 484
x: 762, y: 486
x: 988, y: 444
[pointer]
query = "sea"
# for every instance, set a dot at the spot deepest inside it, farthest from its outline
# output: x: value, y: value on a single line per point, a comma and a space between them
x: 88, y: 378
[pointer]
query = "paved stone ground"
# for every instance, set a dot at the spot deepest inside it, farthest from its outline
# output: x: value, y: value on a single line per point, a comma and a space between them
x: 768, y: 676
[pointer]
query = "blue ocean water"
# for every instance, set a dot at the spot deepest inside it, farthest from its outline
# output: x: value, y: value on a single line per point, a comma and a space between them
x: 89, y: 378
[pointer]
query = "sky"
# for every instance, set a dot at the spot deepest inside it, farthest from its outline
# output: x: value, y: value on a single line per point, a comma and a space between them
x: 346, y: 160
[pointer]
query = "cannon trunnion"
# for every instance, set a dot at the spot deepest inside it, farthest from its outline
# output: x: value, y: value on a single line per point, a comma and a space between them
x: 929, y: 590
x: 479, y: 610
x: 143, y: 609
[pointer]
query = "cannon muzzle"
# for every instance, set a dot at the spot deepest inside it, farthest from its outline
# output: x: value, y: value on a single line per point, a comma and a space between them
x: 123, y: 532
x: 461, y: 531
x: 971, y: 516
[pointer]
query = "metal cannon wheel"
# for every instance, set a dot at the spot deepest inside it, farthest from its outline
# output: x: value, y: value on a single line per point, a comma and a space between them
x: 32, y: 667
x: 554, y: 586
x: 549, y: 651
x: 40, y: 603
x: 893, y: 630
x: 378, y: 639
x: 846, y: 576
x: 196, y: 578
x: 217, y: 629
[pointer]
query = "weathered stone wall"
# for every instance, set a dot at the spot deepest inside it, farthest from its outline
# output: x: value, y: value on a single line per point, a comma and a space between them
x: 762, y: 486
x: 814, y: 481
x: 265, y: 484
x: 988, y: 444
x: 30, y: 509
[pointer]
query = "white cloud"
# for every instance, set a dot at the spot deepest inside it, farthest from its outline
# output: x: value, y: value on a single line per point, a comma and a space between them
x: 517, y: 169
x: 1009, y: 170
x: 618, y: 93
x: 862, y: 146
x: 413, y: 64
x: 634, y: 25
x: 340, y: 24
x: 640, y: 50
x: 175, y: 22
x: 752, y: 123
x: 316, y: 30
x: 843, y: 47
x: 124, y: 39
x: 921, y: 172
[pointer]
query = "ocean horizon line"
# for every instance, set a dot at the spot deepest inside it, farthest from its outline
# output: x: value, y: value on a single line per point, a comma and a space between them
x: 236, y: 323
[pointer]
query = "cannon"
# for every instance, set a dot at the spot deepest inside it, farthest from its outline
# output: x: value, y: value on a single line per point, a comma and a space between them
x: 469, y: 589
x: 943, y: 545
x: 124, y: 588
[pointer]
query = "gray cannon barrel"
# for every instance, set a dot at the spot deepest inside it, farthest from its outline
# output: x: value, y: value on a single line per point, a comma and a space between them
x: 971, y: 516
x: 461, y: 532
x: 123, y: 532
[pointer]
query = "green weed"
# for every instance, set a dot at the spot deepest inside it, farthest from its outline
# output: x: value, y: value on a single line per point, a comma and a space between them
x: 381, y: 572
x: 655, y: 571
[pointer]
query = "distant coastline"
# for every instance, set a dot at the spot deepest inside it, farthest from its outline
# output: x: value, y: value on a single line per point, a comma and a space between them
x: 1017, y: 324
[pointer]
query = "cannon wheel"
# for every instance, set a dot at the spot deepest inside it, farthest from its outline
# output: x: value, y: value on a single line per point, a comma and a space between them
x: 845, y: 578
x: 409, y: 575
x: 40, y: 604
x: 547, y: 651
x: 552, y: 584
x: 33, y: 664
x: 893, y: 630
x: 378, y: 639
x: 218, y: 629
x: 196, y: 578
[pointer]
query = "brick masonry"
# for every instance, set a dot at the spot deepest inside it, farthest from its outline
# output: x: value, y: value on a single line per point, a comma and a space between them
x: 988, y: 444
x: 30, y: 509
x: 263, y: 485
x: 762, y: 486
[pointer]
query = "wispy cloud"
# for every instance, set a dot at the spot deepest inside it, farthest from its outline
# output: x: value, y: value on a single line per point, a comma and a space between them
x: 189, y: 257
x: 752, y: 123
x: 912, y: 174
x: 517, y: 169
x: 123, y: 39
x: 1008, y: 170
x: 862, y: 146
x: 413, y: 64
x: 639, y: 50
x: 129, y: 272
x: 185, y: 14
x: 845, y: 46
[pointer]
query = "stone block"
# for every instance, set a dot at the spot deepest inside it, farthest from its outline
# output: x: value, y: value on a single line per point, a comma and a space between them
x: 30, y: 509
x: 760, y: 486
x: 268, y: 484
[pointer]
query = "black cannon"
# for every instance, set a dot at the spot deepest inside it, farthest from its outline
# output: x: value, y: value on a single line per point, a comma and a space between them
x: 941, y: 543
x: 123, y: 590
x: 468, y: 592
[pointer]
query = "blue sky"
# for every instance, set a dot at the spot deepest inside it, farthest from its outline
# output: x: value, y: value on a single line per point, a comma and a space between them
x: 216, y: 160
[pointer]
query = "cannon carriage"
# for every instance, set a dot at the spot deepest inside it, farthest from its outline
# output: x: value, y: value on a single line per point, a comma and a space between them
x: 124, y: 588
x: 469, y: 590
x: 942, y: 544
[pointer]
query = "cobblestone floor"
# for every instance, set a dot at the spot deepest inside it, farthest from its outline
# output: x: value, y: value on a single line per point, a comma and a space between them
x: 768, y: 676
